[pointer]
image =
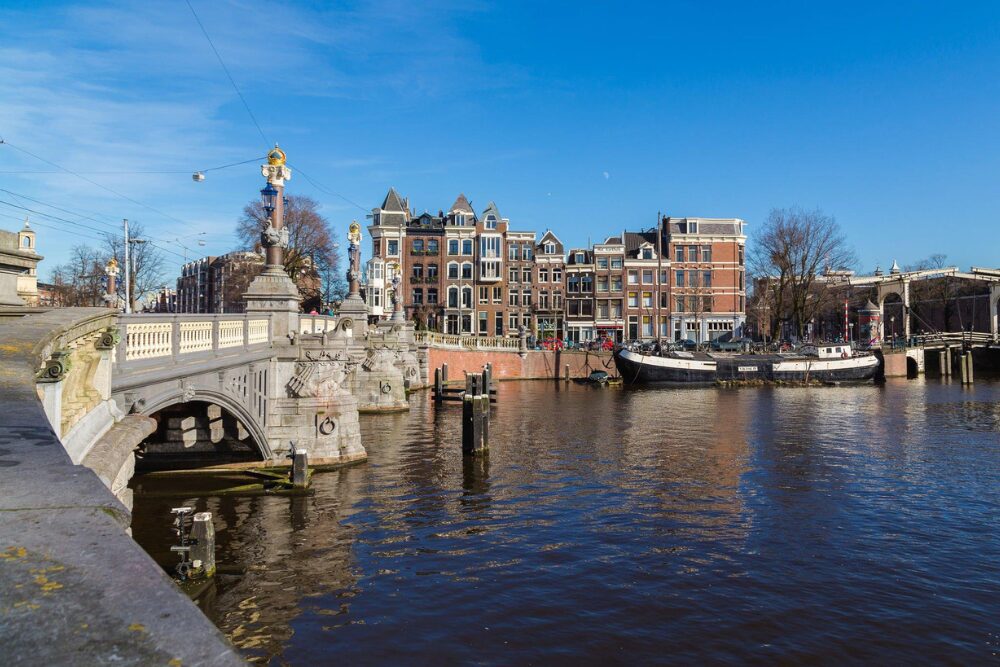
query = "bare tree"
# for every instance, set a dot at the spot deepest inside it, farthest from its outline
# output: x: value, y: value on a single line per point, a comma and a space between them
x: 80, y: 280
x: 793, y: 249
x: 146, y: 274
x: 312, y: 259
x: 938, y: 292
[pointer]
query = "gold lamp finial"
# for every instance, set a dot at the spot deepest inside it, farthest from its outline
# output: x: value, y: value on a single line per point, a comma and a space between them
x: 276, y: 156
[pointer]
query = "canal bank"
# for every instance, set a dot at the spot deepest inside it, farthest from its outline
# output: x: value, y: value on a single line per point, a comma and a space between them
x: 769, y: 524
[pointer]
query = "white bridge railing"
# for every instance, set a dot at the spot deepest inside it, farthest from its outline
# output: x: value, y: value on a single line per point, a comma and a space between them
x: 310, y: 324
x: 154, y: 336
x: 953, y: 338
x: 467, y: 342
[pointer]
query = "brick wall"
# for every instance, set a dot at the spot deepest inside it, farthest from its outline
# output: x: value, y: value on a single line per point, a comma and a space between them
x: 538, y: 364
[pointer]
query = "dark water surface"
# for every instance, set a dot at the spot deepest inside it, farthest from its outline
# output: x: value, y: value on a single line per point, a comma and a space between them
x: 612, y: 526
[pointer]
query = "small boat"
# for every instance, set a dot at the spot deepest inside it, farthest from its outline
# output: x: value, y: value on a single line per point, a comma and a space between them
x: 813, y: 363
x: 596, y: 377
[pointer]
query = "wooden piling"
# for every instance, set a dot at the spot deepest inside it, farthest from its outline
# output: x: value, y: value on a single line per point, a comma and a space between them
x: 963, y: 369
x: 438, y: 387
x: 475, y: 416
x: 444, y: 372
x: 300, y: 469
x: 968, y: 365
x: 943, y: 363
x: 203, y: 544
x: 567, y: 373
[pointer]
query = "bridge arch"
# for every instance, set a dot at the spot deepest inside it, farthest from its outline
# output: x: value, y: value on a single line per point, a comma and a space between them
x: 179, y: 397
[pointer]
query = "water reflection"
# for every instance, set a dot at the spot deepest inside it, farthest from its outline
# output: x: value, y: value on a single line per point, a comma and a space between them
x: 704, y: 525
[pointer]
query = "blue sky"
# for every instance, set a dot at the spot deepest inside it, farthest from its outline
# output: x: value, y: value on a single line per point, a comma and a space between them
x: 585, y: 118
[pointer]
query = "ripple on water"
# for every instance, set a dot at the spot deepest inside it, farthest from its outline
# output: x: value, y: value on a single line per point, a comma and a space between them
x: 701, y: 525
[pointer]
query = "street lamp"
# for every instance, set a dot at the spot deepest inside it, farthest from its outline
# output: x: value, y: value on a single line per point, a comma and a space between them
x: 111, y: 269
x: 892, y: 329
x: 269, y: 198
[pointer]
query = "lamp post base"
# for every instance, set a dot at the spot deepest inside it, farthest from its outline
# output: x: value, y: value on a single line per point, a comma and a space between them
x: 273, y: 292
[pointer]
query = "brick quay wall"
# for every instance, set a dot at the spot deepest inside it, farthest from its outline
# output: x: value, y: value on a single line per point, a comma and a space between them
x: 535, y: 365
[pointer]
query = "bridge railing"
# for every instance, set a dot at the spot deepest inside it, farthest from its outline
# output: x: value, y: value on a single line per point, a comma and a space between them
x: 953, y: 338
x: 159, y: 336
x: 467, y: 342
x: 313, y: 324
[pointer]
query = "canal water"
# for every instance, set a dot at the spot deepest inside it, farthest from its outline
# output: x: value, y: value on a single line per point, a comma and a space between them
x: 614, y: 526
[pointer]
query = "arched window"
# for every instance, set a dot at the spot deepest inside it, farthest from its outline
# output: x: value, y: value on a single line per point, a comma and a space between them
x: 27, y: 241
x: 491, y: 221
x: 453, y: 297
x: 453, y: 270
x: 467, y: 270
x: 453, y: 247
x: 466, y: 297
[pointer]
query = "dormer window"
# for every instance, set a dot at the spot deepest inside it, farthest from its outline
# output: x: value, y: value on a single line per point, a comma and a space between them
x: 579, y: 258
x: 460, y: 219
x: 692, y: 227
x: 550, y: 248
x: 491, y: 221
x: 377, y: 219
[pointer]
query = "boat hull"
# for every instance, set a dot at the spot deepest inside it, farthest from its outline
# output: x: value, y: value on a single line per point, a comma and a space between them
x: 640, y: 369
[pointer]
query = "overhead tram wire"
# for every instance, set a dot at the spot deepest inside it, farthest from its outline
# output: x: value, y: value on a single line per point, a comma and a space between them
x: 140, y: 172
x: 93, y: 182
x: 327, y: 190
x: 78, y: 224
x: 267, y: 144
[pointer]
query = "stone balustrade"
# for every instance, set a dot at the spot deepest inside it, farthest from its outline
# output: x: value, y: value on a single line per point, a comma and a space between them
x: 467, y: 342
x: 155, y: 336
x: 313, y: 324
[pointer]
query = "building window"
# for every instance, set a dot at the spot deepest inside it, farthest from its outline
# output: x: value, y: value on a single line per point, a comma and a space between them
x: 432, y: 271
x: 706, y: 304
x: 586, y: 282
x: 633, y: 277
x: 418, y: 271
x: 647, y: 299
x: 377, y: 219
x: 602, y: 283
x: 557, y: 275
x: 526, y: 252
x: 602, y: 262
x: 573, y: 282
x: 512, y: 321
x: 526, y: 275
x: 693, y: 253
x: 526, y: 298
x: 467, y: 271
x: 497, y: 295
x: 432, y: 296
x: 491, y: 222
x: 453, y: 247
x: 692, y: 278
x: 663, y: 277
x: 647, y: 277
x: 616, y: 263
x: 616, y: 283
x: 633, y: 299
x: 692, y: 228
x: 499, y: 323
x: 452, y: 270
x: 460, y: 220
x: 706, y: 253
x: 376, y: 270
x: 432, y: 246
x: 741, y: 255
x: 742, y: 287
x: 512, y: 251
x: 466, y: 297
x: 602, y: 310
x: 393, y: 245
x: 418, y: 296
x: 453, y: 297
x: 467, y: 247
x: 484, y: 323
x: 484, y: 295
x: 679, y: 252
x: 647, y: 325
x: 418, y: 246
x: 512, y: 299
x: 574, y: 306
x: 706, y: 278
x: 489, y: 247
x: 550, y: 248
x: 679, y: 279
x: 543, y: 275
x: 616, y: 309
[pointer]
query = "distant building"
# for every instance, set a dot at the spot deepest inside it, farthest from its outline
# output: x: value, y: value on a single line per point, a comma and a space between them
x: 18, y: 268
x: 214, y: 284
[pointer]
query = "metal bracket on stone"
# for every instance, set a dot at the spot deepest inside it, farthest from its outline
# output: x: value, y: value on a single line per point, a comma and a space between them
x: 110, y: 337
x: 56, y: 367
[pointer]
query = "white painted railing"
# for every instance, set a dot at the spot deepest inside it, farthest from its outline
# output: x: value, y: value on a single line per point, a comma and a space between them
x: 145, y: 340
x: 310, y: 324
x: 152, y: 336
x: 195, y: 336
x: 467, y: 342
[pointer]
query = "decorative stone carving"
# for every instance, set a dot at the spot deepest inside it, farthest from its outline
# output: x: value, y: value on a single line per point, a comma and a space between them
x: 380, y: 360
x: 321, y: 375
x: 110, y: 337
x: 56, y: 368
x: 271, y: 237
x: 187, y: 392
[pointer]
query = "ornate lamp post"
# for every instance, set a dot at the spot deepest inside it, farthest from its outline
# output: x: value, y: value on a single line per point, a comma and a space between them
x: 111, y: 269
x: 272, y: 291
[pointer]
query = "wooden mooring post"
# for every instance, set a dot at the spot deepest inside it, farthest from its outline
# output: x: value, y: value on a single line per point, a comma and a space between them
x: 476, y: 415
x: 438, y: 387
x: 300, y: 469
x: 203, y: 544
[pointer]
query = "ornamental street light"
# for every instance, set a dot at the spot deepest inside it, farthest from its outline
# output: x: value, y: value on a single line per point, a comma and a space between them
x: 269, y: 198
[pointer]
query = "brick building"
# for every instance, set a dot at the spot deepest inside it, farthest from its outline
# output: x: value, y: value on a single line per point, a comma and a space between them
x: 469, y: 273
